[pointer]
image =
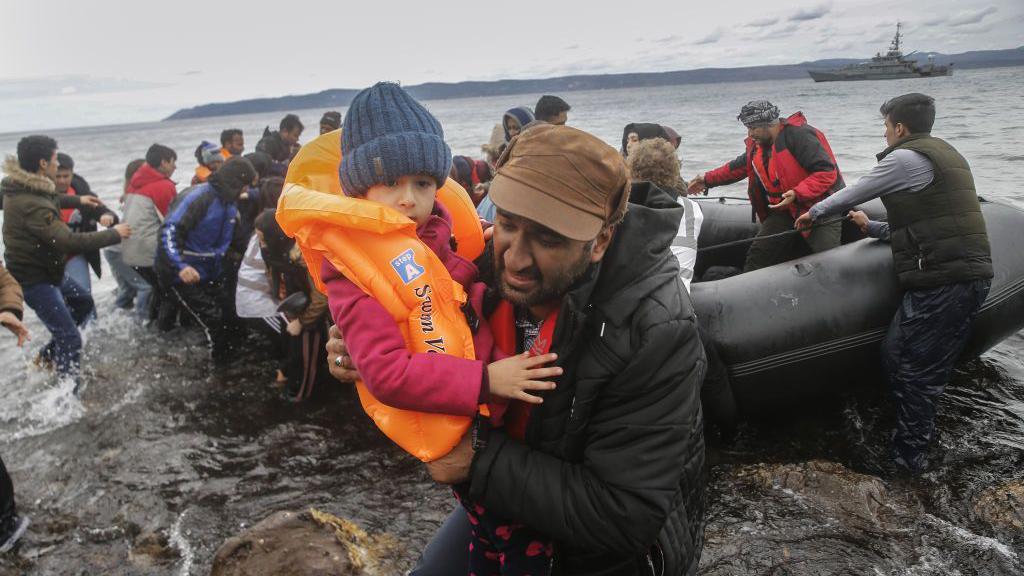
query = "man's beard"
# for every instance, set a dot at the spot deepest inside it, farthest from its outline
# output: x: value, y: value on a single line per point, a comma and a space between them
x: 547, y: 288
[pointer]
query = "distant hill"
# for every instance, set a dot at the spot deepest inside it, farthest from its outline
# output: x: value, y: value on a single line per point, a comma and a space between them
x: 340, y: 97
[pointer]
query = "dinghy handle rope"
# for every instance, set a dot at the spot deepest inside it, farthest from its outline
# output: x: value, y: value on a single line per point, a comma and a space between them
x: 777, y: 235
x: 720, y: 199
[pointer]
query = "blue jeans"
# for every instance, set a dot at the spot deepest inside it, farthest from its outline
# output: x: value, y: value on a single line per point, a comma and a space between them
x: 62, y: 309
x: 77, y: 268
x: 446, y: 553
x: 131, y: 286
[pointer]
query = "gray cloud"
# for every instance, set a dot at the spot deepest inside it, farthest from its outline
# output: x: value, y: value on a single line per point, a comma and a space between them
x: 710, y: 38
x: 881, y: 37
x: 840, y: 32
x: 761, y: 22
x: 812, y: 13
x: 972, y: 31
x: 776, y: 31
x: 971, y: 16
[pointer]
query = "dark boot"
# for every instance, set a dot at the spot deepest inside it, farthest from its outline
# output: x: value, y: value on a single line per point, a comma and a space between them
x: 11, y: 530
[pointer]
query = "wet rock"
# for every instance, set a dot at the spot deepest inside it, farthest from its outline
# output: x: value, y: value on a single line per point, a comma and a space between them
x: 309, y: 543
x: 55, y: 522
x: 1002, y: 507
x: 836, y: 490
x: 808, y: 518
x: 150, y: 549
x: 819, y: 518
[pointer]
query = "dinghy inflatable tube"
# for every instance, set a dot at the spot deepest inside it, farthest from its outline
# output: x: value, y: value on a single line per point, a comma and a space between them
x: 812, y: 326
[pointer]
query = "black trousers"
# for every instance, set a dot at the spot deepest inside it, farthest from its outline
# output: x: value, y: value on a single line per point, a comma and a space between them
x: 158, y: 300
x: 7, y: 508
x: 925, y: 337
x: 716, y: 396
x: 202, y: 303
x: 766, y: 252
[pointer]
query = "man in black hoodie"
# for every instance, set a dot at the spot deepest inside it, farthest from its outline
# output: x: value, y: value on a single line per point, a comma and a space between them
x: 200, y: 246
x: 610, y: 466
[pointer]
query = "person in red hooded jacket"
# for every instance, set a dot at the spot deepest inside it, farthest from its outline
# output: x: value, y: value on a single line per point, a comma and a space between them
x: 789, y: 167
x: 147, y: 201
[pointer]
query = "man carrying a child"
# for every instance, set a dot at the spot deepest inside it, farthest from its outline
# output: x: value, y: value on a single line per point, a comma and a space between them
x: 611, y: 465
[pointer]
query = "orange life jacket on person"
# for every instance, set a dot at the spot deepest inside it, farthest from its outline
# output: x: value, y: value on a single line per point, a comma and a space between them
x: 377, y: 248
x: 202, y: 175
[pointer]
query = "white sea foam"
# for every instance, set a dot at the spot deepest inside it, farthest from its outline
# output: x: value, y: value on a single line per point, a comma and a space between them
x: 178, y: 540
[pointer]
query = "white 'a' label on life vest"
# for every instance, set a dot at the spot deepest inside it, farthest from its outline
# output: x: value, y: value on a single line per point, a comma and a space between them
x: 406, y: 267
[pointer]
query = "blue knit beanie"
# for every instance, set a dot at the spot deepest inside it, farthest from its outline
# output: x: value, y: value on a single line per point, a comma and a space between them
x: 386, y: 135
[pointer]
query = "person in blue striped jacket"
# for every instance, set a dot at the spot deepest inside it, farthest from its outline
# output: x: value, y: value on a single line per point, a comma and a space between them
x: 195, y: 240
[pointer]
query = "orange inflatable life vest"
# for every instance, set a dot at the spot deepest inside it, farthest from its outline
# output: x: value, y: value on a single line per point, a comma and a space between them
x: 377, y: 248
x: 202, y: 174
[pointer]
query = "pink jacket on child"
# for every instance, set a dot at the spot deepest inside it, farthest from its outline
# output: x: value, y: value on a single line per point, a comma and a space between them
x: 397, y: 377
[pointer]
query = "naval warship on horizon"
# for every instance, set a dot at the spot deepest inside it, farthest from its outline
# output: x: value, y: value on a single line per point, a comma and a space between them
x: 891, y: 66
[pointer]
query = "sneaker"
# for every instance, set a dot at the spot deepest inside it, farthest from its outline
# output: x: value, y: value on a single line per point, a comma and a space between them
x: 14, y: 530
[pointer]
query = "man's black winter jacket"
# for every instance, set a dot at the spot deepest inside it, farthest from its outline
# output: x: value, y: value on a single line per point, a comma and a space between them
x: 613, y: 465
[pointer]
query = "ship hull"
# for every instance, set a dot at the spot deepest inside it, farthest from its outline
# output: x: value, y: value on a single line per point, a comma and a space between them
x: 820, y: 76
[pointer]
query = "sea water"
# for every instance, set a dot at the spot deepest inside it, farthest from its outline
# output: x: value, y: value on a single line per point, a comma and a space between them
x: 163, y: 447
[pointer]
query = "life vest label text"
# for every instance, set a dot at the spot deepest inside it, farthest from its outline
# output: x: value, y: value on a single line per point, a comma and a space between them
x: 426, y: 308
x: 406, y: 267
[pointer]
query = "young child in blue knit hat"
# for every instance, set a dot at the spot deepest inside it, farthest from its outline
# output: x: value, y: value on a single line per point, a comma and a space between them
x: 393, y: 153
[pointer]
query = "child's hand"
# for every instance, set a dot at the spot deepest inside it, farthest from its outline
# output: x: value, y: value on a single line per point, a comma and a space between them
x: 295, y: 327
x: 512, y: 377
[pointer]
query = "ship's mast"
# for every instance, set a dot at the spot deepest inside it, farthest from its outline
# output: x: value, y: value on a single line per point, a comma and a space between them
x: 895, y: 46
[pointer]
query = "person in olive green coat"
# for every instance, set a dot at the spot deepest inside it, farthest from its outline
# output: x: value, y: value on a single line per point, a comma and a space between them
x: 37, y: 243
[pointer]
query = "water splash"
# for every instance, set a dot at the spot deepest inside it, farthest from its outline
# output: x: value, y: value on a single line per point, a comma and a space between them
x: 42, y: 406
x: 178, y: 540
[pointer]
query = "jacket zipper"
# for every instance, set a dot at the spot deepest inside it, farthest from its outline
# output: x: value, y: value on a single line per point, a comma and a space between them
x: 577, y: 330
x: 920, y: 252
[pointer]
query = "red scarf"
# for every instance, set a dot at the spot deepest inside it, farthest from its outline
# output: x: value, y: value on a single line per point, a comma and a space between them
x: 503, y: 325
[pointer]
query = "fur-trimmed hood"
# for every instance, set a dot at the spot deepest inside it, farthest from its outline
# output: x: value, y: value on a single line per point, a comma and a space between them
x: 36, y: 241
x: 19, y: 178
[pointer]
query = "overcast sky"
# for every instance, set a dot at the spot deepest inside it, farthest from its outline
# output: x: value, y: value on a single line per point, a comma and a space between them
x: 76, y: 62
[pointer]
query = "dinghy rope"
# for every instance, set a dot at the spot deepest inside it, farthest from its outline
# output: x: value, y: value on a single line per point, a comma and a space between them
x: 776, y: 235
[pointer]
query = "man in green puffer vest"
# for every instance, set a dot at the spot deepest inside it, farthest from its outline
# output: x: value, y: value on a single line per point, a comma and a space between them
x: 941, y: 255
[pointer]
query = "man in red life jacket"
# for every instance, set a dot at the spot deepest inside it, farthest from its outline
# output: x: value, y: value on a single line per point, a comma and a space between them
x: 789, y: 167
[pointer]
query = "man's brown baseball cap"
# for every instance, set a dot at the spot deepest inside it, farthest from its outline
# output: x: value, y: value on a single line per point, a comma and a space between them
x: 562, y: 178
